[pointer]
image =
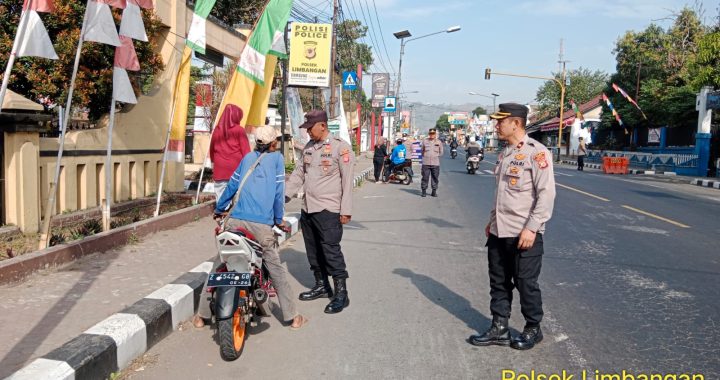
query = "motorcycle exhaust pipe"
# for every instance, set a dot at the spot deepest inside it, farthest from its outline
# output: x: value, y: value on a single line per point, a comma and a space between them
x: 261, y: 296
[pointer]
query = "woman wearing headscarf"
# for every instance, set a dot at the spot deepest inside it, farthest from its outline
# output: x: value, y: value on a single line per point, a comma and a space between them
x: 228, y: 145
x: 379, y: 157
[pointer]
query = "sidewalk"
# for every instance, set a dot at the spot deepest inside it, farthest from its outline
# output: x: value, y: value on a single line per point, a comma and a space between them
x: 53, y: 307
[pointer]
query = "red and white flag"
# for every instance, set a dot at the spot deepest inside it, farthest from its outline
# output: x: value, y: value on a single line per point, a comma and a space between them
x: 125, y: 55
x: 100, y: 26
x: 46, y: 6
x: 35, y: 41
x: 132, y: 23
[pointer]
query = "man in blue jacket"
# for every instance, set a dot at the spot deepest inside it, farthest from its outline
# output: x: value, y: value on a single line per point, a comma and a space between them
x: 398, y: 155
x: 260, y: 207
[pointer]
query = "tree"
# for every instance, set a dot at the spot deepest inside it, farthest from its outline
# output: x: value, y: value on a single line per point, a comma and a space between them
x: 584, y: 85
x: 234, y: 13
x: 672, y: 66
x: 479, y: 111
x: 38, y: 78
x: 442, y: 124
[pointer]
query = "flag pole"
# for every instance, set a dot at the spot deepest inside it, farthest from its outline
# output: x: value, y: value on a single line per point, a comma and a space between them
x: 165, y: 151
x: 67, y: 114
x: 108, y: 171
x: 22, y: 25
x: 50, y: 205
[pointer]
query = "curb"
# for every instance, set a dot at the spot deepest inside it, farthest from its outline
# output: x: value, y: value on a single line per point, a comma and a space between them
x: 630, y: 171
x: 114, y: 343
x: 17, y: 268
x: 715, y: 184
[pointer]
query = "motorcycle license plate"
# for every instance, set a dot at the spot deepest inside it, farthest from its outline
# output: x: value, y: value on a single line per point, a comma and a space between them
x: 229, y: 279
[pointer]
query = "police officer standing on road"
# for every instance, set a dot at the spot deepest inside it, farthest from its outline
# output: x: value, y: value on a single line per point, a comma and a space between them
x: 432, y: 150
x: 524, y: 200
x: 326, y: 175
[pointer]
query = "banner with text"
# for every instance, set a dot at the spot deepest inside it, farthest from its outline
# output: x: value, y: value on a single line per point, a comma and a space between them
x: 380, y: 89
x: 310, y: 48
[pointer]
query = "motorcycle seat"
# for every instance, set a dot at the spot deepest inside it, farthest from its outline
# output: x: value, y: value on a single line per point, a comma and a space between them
x: 244, y: 232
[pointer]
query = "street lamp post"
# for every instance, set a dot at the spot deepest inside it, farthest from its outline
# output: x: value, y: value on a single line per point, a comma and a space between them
x: 402, y: 36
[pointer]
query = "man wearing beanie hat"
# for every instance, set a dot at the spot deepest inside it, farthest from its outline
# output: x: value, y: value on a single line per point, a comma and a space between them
x: 260, y: 206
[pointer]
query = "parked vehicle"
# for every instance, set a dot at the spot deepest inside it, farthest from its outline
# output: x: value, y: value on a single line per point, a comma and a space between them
x: 240, y: 288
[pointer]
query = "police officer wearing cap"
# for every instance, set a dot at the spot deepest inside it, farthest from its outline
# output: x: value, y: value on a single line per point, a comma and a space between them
x: 524, y: 200
x: 432, y: 150
x: 326, y: 176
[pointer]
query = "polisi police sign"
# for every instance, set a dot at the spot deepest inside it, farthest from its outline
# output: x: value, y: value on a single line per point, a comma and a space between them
x: 350, y: 80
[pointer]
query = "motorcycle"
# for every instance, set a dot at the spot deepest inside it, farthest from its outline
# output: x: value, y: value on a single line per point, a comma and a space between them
x: 400, y: 173
x: 240, y: 288
x: 473, y: 163
x: 453, y: 153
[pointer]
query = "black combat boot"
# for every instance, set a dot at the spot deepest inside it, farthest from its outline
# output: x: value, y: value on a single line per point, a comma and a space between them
x: 528, y: 339
x: 341, y: 299
x: 498, y: 334
x: 424, y: 193
x: 320, y: 290
x: 434, y: 193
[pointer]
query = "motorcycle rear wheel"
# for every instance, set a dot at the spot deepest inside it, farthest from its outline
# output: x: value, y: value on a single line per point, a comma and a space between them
x: 407, y: 179
x: 232, y: 334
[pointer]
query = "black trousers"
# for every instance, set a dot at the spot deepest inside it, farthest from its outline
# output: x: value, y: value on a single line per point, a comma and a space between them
x: 377, y: 164
x: 581, y: 162
x: 427, y: 172
x: 322, y: 232
x: 510, y: 267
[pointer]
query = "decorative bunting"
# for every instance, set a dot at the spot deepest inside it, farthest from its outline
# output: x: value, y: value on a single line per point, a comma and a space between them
x: 578, y: 114
x: 629, y: 99
x: 196, y: 38
x: 43, y: 6
x: 615, y: 113
x: 125, y: 55
x: 119, y: 4
x: 35, y: 41
x: 145, y: 4
x: 132, y: 23
x: 122, y: 88
x: 100, y: 25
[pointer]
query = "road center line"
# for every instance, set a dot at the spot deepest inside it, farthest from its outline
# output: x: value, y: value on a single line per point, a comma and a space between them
x: 656, y: 216
x: 566, y: 175
x: 583, y: 193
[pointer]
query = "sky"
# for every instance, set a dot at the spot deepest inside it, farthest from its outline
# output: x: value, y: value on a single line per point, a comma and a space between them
x: 520, y: 37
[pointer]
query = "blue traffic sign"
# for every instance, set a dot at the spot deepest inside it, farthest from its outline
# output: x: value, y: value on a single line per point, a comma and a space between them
x: 350, y: 80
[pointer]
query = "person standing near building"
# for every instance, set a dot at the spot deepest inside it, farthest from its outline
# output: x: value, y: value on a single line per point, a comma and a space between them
x: 326, y: 175
x: 228, y: 145
x: 432, y: 150
x: 379, y: 157
x: 581, y: 153
x: 524, y: 200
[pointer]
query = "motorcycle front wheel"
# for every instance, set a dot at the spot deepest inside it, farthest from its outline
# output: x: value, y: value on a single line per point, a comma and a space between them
x: 232, y: 335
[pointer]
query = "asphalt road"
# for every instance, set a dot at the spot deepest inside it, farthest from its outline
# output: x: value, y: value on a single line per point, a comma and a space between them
x: 629, y: 281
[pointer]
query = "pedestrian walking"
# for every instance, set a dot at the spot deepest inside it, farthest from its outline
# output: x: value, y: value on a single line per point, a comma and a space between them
x: 260, y: 206
x: 228, y: 145
x: 326, y: 175
x: 379, y: 157
x: 432, y: 150
x: 524, y: 199
x: 582, y: 152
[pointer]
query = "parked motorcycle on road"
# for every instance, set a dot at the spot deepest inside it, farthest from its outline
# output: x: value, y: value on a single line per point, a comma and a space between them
x: 401, y: 173
x: 240, y: 288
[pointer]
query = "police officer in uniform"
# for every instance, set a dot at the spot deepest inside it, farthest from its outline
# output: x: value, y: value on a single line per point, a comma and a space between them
x: 326, y: 176
x: 432, y: 150
x: 524, y: 201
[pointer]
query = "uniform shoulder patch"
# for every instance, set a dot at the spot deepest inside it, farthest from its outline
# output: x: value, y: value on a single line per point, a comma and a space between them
x: 541, y: 160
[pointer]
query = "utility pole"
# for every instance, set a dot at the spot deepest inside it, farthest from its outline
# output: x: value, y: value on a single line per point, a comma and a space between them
x: 562, y: 62
x: 284, y: 92
x: 333, y: 51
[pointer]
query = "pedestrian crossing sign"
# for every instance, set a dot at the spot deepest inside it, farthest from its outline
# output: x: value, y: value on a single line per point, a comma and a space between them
x: 350, y: 80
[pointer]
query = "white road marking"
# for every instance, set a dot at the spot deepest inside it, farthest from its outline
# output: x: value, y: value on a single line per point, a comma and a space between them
x: 566, y: 175
x: 373, y: 196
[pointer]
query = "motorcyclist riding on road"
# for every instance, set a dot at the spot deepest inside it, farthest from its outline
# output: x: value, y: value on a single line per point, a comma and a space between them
x: 473, y: 148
